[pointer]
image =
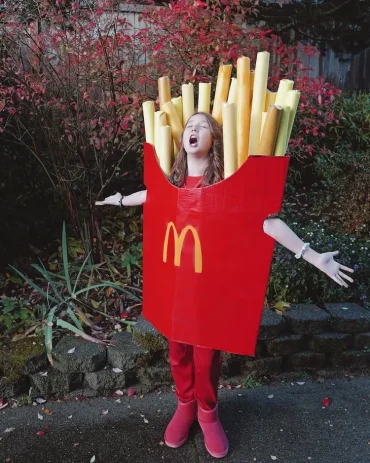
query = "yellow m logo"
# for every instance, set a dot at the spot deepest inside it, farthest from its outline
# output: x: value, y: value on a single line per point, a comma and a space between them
x: 179, y: 242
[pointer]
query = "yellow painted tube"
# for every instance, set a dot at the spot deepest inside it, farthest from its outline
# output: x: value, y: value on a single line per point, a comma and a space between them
x: 292, y: 101
x: 204, y: 97
x: 270, y: 99
x: 187, y: 102
x: 243, y: 108
x: 263, y: 120
x: 175, y: 150
x: 281, y: 141
x: 148, y: 112
x: 165, y: 149
x: 174, y: 121
x: 284, y: 86
x: 252, y: 84
x: 222, y: 90
x: 232, y: 98
x: 258, y: 102
x: 177, y: 102
x: 229, y: 138
x: 270, y: 131
x: 164, y: 90
x: 160, y: 119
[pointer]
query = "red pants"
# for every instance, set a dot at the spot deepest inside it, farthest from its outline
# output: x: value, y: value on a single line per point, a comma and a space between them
x: 196, y: 371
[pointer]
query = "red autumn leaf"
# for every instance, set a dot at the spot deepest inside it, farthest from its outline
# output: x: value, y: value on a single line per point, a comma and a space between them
x: 40, y: 433
x: 131, y: 392
x: 325, y: 401
x: 47, y: 427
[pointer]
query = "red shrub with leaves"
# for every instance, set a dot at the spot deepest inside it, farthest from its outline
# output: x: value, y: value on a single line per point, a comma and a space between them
x: 73, y: 79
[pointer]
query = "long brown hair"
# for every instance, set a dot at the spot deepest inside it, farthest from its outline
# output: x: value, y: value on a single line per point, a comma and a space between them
x: 215, y: 171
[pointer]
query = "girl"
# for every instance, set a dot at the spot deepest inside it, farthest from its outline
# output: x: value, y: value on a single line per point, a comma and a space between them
x: 196, y: 369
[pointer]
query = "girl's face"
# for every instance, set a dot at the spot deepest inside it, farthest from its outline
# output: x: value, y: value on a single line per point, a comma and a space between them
x: 197, y: 136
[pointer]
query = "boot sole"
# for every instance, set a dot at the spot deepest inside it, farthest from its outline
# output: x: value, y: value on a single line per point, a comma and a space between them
x: 217, y: 455
x: 177, y: 445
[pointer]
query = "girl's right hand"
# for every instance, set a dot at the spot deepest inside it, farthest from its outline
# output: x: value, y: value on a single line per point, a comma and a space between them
x: 110, y: 201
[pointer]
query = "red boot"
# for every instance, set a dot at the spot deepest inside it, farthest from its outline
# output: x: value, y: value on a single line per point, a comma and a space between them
x: 215, y: 439
x: 178, y: 429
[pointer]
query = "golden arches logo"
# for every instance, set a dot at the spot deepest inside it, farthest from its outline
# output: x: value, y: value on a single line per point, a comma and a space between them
x: 179, y: 242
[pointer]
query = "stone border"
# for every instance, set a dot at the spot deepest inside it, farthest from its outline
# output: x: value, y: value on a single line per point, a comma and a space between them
x: 305, y: 338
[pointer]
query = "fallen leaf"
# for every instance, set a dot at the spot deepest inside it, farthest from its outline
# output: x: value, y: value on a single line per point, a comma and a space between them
x: 40, y: 433
x: 146, y: 421
x: 229, y: 386
x: 41, y: 401
x: 70, y: 416
x: 117, y: 370
x: 118, y: 401
x: 118, y: 393
x: 325, y: 401
x: 9, y: 429
x: 105, y: 412
x: 92, y: 459
x: 47, y: 427
x: 271, y: 396
x: 40, y: 417
x: 300, y: 383
x: 43, y: 373
x: 273, y: 457
x: 71, y: 351
x: 2, y: 403
x: 131, y: 392
x: 48, y: 412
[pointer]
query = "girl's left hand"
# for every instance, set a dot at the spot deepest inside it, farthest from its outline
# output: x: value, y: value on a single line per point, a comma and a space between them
x: 333, y: 269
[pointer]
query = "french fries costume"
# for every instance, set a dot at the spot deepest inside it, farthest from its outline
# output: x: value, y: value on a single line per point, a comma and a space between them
x: 206, y: 257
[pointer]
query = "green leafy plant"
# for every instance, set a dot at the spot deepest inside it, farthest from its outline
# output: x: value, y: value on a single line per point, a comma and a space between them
x: 14, y: 311
x: 297, y: 281
x: 64, y: 298
x: 131, y: 257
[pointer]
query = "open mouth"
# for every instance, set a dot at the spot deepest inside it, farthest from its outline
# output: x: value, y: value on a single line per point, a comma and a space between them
x: 193, y: 140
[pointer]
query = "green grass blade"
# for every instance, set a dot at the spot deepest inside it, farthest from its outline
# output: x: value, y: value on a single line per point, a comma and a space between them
x: 74, y: 317
x: 79, y: 273
x: 68, y: 326
x: 65, y: 259
x: 48, y: 332
x: 47, y: 277
x: 87, y: 246
x: 108, y: 284
x: 35, y: 286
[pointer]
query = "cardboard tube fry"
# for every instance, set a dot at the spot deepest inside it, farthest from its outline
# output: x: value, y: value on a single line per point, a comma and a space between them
x: 284, y: 86
x: 243, y: 108
x: 204, y: 97
x: 222, y: 90
x: 187, y: 102
x: 263, y: 120
x: 174, y: 121
x: 160, y: 119
x: 165, y: 149
x: 281, y: 141
x: 164, y: 90
x: 270, y: 99
x: 177, y: 102
x: 270, y: 131
x: 232, y: 98
x: 258, y: 102
x: 148, y: 112
x: 229, y: 136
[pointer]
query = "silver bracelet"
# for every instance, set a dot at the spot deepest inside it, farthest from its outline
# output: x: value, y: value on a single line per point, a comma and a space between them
x: 302, y: 251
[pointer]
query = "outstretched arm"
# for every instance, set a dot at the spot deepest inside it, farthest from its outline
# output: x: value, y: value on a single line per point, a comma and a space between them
x: 325, y: 262
x: 136, y: 199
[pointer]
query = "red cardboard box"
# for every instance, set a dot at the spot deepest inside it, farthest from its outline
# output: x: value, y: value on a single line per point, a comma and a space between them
x: 206, y: 257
